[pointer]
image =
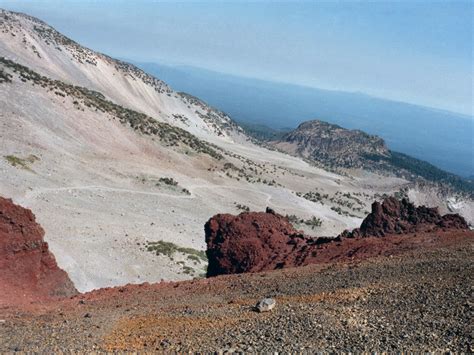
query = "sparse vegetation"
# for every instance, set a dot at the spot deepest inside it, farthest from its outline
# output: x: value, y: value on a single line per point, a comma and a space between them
x: 23, y: 163
x: 342, y: 199
x: 313, y: 196
x: 401, y: 194
x: 169, y: 135
x: 215, y: 119
x: 249, y: 170
x: 169, y: 249
x: 293, y: 219
x: 261, y: 132
x: 194, y: 258
x: 347, y: 200
x: 342, y: 212
x: 188, y: 270
x: 171, y: 183
x: 5, y: 77
x: 242, y: 207
x: 313, y: 222
x: 168, y: 181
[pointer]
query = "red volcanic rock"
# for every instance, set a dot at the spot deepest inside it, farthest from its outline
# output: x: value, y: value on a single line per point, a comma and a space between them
x: 28, y: 271
x: 453, y: 221
x: 255, y: 241
x: 400, y: 217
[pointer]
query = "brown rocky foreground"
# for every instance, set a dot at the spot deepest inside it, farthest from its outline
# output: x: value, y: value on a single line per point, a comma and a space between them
x: 416, y: 301
x: 400, y: 292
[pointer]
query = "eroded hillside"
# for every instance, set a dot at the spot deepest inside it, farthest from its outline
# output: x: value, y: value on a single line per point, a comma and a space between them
x: 123, y: 172
x: 31, y: 42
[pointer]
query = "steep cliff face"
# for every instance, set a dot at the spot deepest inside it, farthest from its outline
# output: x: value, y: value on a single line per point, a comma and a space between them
x: 332, y: 145
x: 258, y: 241
x: 28, y: 270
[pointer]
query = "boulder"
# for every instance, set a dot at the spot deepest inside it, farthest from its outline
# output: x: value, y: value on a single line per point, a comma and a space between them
x: 253, y: 241
x: 265, y: 305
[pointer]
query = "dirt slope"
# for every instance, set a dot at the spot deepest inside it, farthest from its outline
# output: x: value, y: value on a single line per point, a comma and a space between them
x: 31, y: 42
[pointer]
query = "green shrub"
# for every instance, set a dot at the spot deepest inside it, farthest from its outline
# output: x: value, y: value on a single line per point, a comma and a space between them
x: 169, y: 249
x: 21, y: 162
x: 313, y: 222
x: 242, y: 207
x: 168, y: 181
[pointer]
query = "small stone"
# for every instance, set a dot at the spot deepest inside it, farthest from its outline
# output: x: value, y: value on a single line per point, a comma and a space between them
x: 165, y: 343
x: 265, y: 305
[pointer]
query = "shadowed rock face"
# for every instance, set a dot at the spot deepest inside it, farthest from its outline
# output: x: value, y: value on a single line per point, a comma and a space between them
x: 257, y: 241
x: 398, y: 217
x: 28, y: 270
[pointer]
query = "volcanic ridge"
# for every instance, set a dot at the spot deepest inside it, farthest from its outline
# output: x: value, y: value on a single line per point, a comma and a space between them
x: 257, y: 241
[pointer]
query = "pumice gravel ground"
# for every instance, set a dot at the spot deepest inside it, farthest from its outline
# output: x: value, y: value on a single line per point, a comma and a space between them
x: 416, y: 301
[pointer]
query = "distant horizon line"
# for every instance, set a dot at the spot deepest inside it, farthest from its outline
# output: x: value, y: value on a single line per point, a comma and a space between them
x: 462, y: 113
x: 164, y: 62
x: 468, y: 116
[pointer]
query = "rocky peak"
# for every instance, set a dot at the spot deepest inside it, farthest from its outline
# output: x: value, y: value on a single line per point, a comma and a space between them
x: 394, y: 216
x: 333, y: 145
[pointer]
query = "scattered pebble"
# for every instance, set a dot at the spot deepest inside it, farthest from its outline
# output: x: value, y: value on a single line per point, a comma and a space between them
x: 265, y: 305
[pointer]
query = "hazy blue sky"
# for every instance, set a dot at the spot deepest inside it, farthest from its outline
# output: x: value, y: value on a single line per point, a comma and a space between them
x: 414, y: 51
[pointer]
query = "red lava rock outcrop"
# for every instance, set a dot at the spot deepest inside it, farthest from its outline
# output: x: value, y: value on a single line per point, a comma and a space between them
x: 254, y: 241
x: 28, y: 270
x: 393, y: 216
x: 257, y: 241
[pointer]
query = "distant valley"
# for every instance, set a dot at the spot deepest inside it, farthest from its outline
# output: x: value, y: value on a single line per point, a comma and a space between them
x: 409, y: 129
